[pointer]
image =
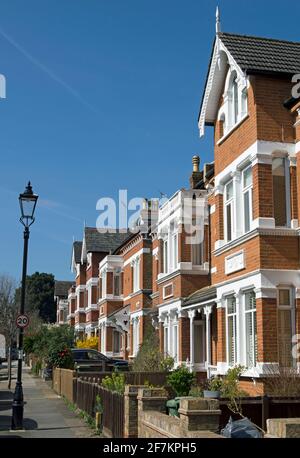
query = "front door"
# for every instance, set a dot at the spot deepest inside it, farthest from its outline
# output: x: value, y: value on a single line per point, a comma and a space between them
x: 199, y: 344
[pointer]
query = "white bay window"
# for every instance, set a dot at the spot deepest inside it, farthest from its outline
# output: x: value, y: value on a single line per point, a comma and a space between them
x: 238, y: 204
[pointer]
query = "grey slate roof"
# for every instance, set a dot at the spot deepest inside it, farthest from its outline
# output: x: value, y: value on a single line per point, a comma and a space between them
x: 77, y: 246
x: 103, y: 242
x: 61, y: 288
x: 204, y: 294
x: 255, y: 54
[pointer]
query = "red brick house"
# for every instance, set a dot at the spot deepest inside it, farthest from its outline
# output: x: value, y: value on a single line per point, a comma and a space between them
x: 232, y: 297
x: 251, y: 310
x: 86, y: 257
x: 61, y: 289
x: 125, y: 292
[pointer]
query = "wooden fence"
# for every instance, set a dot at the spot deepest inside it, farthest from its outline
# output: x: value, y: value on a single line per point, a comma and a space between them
x: 64, y: 381
x: 259, y: 409
x: 113, y: 406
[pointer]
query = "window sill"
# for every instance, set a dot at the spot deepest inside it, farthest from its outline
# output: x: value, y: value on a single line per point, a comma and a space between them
x: 225, y: 246
x: 232, y: 129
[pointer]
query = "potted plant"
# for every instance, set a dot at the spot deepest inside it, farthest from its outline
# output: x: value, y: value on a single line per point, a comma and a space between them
x: 214, y: 388
x: 181, y: 380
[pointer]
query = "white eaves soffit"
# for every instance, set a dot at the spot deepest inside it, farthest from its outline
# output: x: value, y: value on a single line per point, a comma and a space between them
x: 220, y: 63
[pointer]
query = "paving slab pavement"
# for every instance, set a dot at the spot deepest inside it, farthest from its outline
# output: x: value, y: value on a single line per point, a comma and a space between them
x: 45, y: 413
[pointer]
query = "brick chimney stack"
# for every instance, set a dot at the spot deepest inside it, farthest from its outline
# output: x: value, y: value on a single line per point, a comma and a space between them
x: 196, y: 174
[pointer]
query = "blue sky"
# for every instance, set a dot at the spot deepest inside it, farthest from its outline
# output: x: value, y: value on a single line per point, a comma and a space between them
x: 104, y: 95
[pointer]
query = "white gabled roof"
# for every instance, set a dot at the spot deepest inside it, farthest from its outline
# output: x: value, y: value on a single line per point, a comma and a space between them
x: 221, y: 60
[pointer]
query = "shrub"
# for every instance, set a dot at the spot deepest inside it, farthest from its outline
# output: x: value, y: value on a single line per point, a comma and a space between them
x: 60, y: 358
x: 282, y: 381
x: 196, y: 392
x: 149, y: 357
x: 115, y: 382
x: 52, y: 344
x: 230, y: 388
x: 215, y: 384
x: 90, y: 342
x: 181, y: 380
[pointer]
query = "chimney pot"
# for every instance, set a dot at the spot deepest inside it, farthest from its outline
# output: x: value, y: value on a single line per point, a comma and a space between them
x: 196, y: 163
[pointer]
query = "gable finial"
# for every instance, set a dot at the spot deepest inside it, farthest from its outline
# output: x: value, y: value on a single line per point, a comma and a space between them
x: 218, y: 23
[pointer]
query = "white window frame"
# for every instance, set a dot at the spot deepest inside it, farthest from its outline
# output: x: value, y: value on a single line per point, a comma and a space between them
x: 117, y: 276
x: 247, y: 190
x: 175, y: 341
x: 174, y: 245
x: 230, y: 202
x: 103, y: 284
x: 135, y: 336
x: 136, y: 274
x: 166, y: 255
x: 287, y: 189
x: 290, y: 307
x: 103, y: 339
x: 119, y: 337
x: 234, y: 102
x: 235, y: 106
x: 234, y: 316
x: 253, y: 314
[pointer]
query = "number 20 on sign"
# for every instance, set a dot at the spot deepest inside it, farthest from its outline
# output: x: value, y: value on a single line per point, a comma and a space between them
x: 22, y: 321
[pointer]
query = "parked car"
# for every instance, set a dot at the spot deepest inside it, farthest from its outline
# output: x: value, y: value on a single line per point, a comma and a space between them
x: 86, y: 358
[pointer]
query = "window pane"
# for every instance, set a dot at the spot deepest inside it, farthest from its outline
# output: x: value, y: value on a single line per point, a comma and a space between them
x: 284, y: 297
x: 175, y: 250
x: 285, y: 337
x: 117, y: 342
x: 247, y: 177
x: 197, y: 254
x: 251, y: 339
x: 231, y: 305
x: 165, y: 256
x: 247, y: 211
x: 166, y: 340
x: 235, y: 101
x: 229, y: 190
x: 117, y: 285
x: 232, y: 339
x: 228, y: 222
x: 175, y: 330
x: 250, y: 301
x: 279, y: 191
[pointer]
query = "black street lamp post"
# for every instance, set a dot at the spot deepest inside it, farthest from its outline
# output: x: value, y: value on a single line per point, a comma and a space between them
x: 28, y: 202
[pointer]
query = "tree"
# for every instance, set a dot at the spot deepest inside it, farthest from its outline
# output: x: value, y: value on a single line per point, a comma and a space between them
x: 8, y: 314
x: 149, y: 357
x: 40, y: 296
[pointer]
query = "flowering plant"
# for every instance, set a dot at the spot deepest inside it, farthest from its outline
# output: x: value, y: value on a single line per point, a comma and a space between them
x: 61, y: 358
x: 90, y: 342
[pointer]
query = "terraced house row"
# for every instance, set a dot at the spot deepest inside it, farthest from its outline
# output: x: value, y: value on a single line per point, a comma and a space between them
x: 234, y: 297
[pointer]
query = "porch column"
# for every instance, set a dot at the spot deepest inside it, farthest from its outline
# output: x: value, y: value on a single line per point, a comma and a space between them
x: 192, y: 314
x: 207, y: 311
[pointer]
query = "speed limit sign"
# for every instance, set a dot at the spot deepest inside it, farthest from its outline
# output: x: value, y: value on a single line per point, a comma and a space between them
x: 22, y: 321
